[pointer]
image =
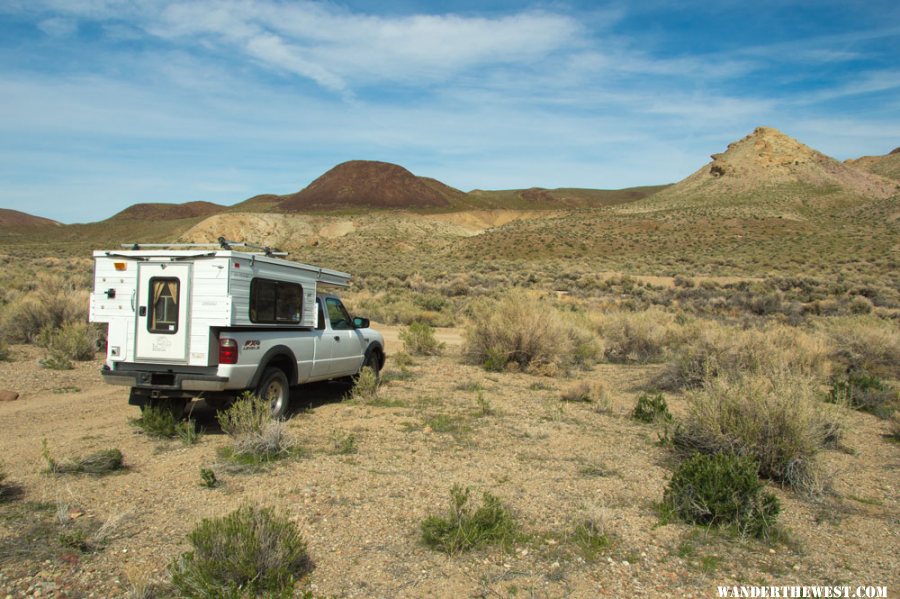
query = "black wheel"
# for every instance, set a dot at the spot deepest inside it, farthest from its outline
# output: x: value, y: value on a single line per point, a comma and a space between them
x: 274, y: 388
x: 373, y: 361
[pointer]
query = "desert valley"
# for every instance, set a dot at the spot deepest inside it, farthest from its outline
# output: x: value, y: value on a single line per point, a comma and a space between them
x: 564, y: 354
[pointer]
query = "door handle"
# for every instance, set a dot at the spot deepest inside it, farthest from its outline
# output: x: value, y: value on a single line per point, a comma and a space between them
x: 143, y: 311
x: 337, y: 337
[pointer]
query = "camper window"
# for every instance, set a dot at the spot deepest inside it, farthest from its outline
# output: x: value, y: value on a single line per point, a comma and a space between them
x: 274, y: 302
x: 163, y: 306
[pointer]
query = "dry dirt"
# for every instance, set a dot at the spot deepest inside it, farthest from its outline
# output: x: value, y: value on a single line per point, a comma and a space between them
x: 553, y: 463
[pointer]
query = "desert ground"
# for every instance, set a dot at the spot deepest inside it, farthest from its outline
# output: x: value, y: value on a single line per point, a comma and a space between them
x: 554, y: 463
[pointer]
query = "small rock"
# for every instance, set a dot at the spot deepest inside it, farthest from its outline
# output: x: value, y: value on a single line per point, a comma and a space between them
x: 6, y: 395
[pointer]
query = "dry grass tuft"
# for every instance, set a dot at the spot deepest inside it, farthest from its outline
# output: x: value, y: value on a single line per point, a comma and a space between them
x: 522, y: 332
x: 718, y: 350
x: 865, y: 343
x: 778, y: 420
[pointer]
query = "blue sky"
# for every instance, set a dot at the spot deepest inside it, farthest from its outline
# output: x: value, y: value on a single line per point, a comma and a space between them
x: 105, y: 103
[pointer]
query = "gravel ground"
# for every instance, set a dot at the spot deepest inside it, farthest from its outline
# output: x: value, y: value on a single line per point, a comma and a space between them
x: 554, y: 464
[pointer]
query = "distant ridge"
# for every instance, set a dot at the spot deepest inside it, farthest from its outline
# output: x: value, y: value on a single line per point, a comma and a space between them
x: 160, y: 211
x: 371, y: 184
x: 14, y: 218
x: 886, y: 166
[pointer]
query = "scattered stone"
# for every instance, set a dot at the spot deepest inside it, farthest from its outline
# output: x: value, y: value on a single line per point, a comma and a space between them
x: 6, y: 395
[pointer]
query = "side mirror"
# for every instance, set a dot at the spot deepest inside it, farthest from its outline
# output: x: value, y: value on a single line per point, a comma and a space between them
x: 360, y: 323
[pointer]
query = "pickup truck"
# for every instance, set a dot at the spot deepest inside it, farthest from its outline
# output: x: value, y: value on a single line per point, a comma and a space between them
x: 216, y: 324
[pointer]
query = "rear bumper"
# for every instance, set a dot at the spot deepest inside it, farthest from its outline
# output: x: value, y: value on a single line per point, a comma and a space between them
x: 168, y: 383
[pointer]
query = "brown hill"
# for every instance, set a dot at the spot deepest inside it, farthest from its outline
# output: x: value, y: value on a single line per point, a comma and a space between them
x: 14, y: 218
x: 886, y: 166
x: 159, y: 211
x: 370, y: 184
x: 768, y: 169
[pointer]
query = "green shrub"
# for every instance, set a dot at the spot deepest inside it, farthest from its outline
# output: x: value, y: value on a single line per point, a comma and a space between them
x: 209, y: 478
x: 157, y: 421
x: 418, y: 340
x: 365, y: 387
x: 778, y: 421
x: 99, y: 462
x: 56, y: 361
x: 864, y: 392
x: 187, y: 432
x: 721, y: 490
x: 344, y: 443
x: 250, y: 552
x: 256, y: 437
x: 591, y: 539
x: 524, y: 333
x: 464, y: 529
x: 651, y: 408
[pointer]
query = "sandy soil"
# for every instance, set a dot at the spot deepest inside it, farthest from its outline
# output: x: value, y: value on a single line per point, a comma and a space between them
x: 553, y: 463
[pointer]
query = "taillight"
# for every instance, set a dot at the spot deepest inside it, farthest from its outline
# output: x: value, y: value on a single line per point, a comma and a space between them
x: 228, y: 351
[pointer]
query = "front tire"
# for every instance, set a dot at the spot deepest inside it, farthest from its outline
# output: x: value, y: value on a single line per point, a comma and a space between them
x: 274, y: 388
x: 373, y: 361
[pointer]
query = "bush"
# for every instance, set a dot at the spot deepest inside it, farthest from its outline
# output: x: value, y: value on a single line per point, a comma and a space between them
x: 465, y: 529
x: 56, y: 361
x: 99, y: 462
x: 777, y: 421
x: 637, y: 336
x: 157, y: 421
x: 4, y: 352
x: 74, y: 340
x: 585, y: 392
x: 365, y: 387
x: 53, y: 302
x: 864, y: 392
x: 256, y: 437
x: 722, y: 351
x: 418, y: 340
x: 525, y: 333
x: 651, y: 408
x: 250, y: 552
x: 721, y: 490
x: 865, y: 344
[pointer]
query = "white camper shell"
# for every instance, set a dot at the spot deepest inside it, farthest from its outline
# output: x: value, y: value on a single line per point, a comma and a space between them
x: 183, y: 321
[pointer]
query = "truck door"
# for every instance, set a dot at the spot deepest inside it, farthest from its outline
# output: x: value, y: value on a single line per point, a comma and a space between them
x: 163, y: 306
x: 346, y: 353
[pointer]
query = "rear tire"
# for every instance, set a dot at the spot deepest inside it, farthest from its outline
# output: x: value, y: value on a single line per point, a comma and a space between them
x: 274, y: 388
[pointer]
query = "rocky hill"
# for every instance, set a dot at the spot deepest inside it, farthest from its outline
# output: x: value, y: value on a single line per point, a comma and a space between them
x: 886, y: 166
x: 159, y: 211
x: 768, y: 171
x: 370, y: 184
x: 14, y: 218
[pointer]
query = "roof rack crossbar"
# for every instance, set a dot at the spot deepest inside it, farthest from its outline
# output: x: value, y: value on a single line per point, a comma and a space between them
x: 222, y: 243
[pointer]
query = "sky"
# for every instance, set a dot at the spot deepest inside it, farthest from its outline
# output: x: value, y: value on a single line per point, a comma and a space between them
x: 106, y: 103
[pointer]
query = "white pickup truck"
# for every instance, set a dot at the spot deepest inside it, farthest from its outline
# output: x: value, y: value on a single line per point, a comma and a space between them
x: 186, y: 323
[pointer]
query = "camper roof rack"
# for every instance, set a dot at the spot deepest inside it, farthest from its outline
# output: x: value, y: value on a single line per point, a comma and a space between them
x: 222, y: 244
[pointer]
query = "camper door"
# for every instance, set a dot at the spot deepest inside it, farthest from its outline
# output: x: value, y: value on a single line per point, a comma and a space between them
x: 163, y: 300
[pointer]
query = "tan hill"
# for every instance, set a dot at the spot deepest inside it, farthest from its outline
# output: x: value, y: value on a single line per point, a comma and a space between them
x: 886, y: 166
x: 14, y: 218
x: 159, y: 211
x: 370, y: 184
x: 769, y: 171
